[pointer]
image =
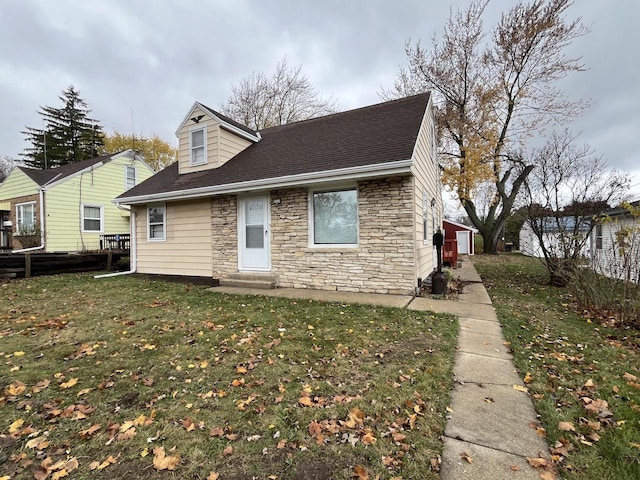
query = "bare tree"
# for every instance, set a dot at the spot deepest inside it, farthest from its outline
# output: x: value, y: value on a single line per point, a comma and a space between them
x: 6, y: 165
x: 490, y: 95
x: 568, y: 187
x: 287, y: 96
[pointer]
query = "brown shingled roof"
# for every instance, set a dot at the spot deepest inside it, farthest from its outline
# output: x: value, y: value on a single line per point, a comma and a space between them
x: 376, y: 134
x: 42, y: 177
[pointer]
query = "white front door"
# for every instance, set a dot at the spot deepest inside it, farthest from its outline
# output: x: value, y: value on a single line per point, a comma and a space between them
x: 253, y: 233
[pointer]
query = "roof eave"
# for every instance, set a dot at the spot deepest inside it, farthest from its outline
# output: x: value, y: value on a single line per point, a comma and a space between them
x: 325, y: 176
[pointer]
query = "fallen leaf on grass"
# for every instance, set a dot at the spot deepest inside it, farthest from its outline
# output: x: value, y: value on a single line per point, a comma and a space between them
x: 69, y: 384
x: 89, y: 431
x: 101, y: 466
x: 566, y: 427
x: 528, y: 378
x: 15, y: 426
x: 15, y: 388
x: 629, y: 377
x: 227, y: 451
x: 360, y: 472
x: 213, y: 476
x: 162, y: 461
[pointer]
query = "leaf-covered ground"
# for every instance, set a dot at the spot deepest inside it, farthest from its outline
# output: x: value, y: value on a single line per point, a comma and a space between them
x: 584, y: 377
x: 129, y: 377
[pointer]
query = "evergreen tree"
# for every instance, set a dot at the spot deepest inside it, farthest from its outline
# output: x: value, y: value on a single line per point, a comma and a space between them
x: 69, y: 134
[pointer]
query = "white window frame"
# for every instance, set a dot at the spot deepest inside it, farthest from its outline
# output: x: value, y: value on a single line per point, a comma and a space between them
x: 164, y: 223
x: 341, y: 188
x: 203, y: 146
x: 20, y: 216
x: 127, y: 169
x: 82, y: 218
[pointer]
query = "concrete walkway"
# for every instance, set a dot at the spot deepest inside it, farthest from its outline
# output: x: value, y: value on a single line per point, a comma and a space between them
x: 490, y: 422
x: 488, y: 434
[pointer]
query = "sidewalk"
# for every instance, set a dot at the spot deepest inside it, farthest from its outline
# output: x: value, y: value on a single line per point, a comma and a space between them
x: 490, y: 421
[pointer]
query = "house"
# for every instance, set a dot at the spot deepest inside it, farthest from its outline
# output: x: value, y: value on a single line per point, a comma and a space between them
x: 68, y: 208
x: 615, y: 242
x: 342, y: 202
x: 562, y: 236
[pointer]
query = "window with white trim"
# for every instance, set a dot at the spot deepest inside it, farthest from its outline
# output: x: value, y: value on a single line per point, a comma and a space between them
x: 26, y: 218
x: 130, y: 177
x: 156, y: 222
x: 433, y: 215
x: 334, y: 217
x: 92, y: 218
x: 198, y: 146
x: 425, y: 202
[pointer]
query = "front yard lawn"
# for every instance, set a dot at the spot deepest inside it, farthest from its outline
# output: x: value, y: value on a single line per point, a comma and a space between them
x: 583, y: 376
x: 128, y: 377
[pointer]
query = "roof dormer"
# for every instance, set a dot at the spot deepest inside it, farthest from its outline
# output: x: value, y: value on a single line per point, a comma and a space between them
x: 208, y: 139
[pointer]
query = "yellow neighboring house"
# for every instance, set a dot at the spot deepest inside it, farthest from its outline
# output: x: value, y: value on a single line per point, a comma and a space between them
x: 68, y: 208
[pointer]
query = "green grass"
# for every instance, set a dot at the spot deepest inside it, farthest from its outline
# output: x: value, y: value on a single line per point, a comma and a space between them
x: 570, y: 360
x: 241, y: 386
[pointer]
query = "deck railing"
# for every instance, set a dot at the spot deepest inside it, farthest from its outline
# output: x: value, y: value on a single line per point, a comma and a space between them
x: 117, y: 241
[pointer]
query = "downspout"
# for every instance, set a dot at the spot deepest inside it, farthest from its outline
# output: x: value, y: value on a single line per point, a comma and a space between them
x: 42, y: 233
x: 132, y: 248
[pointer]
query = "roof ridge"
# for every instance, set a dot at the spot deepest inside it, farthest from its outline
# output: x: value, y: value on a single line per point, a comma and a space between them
x: 346, y: 112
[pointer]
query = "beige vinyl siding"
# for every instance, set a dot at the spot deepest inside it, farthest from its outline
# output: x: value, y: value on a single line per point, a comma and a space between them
x: 97, y: 187
x: 187, y: 248
x: 184, y: 150
x: 426, y: 176
x: 222, y: 145
x: 230, y: 145
x: 17, y: 184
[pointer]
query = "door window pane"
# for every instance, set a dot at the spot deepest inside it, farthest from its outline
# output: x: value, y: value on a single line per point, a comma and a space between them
x: 254, y: 236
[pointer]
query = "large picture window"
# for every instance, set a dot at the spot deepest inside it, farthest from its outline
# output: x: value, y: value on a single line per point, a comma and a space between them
x: 92, y: 218
x: 156, y: 220
x: 334, y: 217
x: 197, y: 141
x: 26, y: 218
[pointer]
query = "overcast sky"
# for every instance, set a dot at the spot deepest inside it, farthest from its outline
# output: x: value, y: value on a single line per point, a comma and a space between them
x: 140, y: 65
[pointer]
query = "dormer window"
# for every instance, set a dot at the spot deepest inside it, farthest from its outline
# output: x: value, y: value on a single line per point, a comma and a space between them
x: 198, y: 142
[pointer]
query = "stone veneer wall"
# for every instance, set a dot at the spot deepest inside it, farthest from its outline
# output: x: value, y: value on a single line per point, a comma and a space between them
x: 384, y: 260
x: 224, y: 230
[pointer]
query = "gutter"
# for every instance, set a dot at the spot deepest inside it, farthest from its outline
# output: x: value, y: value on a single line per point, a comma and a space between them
x: 390, y: 168
x: 132, y: 249
x: 42, y: 232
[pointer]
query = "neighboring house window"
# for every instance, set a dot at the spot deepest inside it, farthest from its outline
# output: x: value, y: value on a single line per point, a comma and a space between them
x: 26, y: 217
x: 425, y: 201
x: 598, y: 236
x: 197, y: 141
x: 130, y: 177
x: 334, y: 217
x: 92, y: 218
x: 156, y: 219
